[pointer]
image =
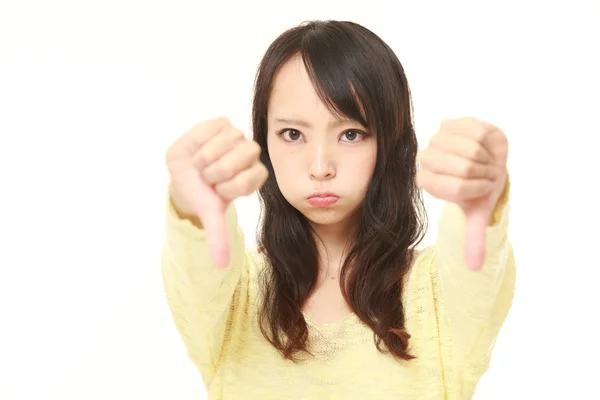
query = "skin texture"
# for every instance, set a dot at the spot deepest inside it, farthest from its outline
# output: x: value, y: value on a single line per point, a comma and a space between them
x: 210, y: 166
x: 313, y: 151
x: 465, y: 163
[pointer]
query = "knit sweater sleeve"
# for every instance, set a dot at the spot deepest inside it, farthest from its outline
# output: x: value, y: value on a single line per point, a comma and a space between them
x: 200, y: 296
x: 474, y: 303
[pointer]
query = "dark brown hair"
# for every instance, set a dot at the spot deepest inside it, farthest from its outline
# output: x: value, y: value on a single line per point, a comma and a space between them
x: 358, y: 76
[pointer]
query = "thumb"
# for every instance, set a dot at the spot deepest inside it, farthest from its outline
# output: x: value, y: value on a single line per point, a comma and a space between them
x: 215, y: 226
x: 477, y: 221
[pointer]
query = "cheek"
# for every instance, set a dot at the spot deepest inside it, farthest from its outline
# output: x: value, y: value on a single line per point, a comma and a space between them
x: 362, y: 169
x: 276, y: 156
x: 282, y: 167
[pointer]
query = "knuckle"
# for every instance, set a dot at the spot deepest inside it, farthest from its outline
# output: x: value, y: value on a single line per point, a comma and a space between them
x: 476, y: 152
x: 224, y: 192
x: 249, y: 188
x: 460, y: 188
x: 203, y: 158
x: 424, y: 180
x: 434, y: 141
x: 173, y: 160
x: 250, y: 151
x: 229, y: 190
x: 419, y: 179
x: 225, y: 171
x: 244, y: 186
x: 261, y: 169
x: 481, y: 135
x: 237, y: 134
x: 169, y: 155
x: 171, y: 168
x: 446, y: 125
x: 255, y: 147
x: 222, y: 121
x: 470, y: 120
x: 480, y: 130
x: 265, y: 172
x: 469, y: 168
x: 502, y: 140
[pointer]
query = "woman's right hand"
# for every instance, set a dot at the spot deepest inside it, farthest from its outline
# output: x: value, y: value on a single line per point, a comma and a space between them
x: 210, y: 166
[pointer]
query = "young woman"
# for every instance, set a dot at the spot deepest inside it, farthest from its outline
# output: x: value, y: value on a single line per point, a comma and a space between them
x: 337, y: 303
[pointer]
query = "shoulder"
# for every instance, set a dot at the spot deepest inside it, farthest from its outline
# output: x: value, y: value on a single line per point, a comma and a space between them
x: 256, y: 263
x: 423, y: 256
x: 421, y: 279
x: 256, y: 259
x: 422, y: 263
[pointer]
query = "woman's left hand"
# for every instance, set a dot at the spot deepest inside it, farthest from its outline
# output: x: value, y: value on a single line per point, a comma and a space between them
x: 465, y: 163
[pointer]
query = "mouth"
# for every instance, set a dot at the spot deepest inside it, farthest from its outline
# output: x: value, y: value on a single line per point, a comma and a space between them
x: 321, y: 200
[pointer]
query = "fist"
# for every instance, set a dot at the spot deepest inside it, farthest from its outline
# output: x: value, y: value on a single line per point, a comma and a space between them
x: 465, y: 163
x: 210, y: 166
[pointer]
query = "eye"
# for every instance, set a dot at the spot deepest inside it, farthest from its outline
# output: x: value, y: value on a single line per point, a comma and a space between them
x: 290, y: 135
x: 353, y: 135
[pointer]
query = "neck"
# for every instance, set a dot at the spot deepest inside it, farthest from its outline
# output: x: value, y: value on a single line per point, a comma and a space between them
x: 333, y: 241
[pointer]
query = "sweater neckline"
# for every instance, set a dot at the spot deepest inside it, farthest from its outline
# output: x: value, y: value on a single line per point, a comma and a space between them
x: 347, y: 320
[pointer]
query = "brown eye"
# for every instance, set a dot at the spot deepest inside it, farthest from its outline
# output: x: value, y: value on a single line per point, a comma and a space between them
x: 352, y: 136
x: 294, y: 134
x: 291, y: 135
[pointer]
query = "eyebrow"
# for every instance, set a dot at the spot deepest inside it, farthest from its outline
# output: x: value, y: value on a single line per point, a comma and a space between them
x: 304, y: 124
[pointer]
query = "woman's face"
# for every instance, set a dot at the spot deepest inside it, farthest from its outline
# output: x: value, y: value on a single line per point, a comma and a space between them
x: 322, y: 164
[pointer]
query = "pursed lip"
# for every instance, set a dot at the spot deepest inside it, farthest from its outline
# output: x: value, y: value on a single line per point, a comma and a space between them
x: 323, y: 195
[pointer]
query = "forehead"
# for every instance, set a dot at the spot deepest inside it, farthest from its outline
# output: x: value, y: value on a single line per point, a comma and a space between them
x: 293, y: 90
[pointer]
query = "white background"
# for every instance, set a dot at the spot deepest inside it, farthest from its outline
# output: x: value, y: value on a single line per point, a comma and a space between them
x: 92, y: 93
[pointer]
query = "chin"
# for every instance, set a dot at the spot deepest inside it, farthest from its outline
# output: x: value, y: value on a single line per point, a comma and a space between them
x: 328, y: 216
x: 324, y: 217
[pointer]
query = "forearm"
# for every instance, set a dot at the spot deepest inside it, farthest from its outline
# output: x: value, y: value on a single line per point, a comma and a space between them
x: 199, y: 295
x: 470, y: 298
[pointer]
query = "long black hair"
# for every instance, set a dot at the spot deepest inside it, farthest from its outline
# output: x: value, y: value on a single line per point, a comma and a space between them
x: 358, y: 76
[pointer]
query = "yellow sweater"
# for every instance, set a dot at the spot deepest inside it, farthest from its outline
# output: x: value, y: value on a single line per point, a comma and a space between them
x: 452, y: 314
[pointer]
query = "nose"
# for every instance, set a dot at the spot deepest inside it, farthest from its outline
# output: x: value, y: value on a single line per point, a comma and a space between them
x: 322, y: 164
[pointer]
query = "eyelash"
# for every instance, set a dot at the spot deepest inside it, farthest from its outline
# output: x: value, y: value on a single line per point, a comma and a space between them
x: 359, y: 132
